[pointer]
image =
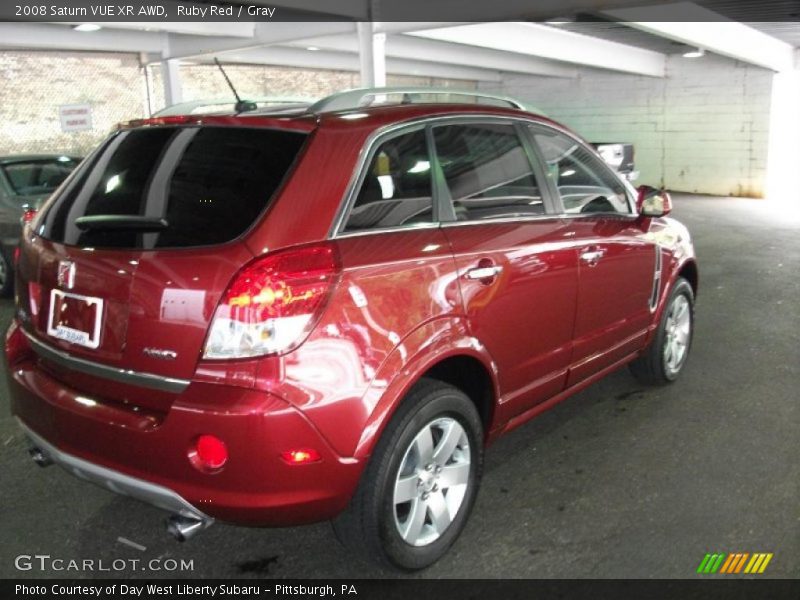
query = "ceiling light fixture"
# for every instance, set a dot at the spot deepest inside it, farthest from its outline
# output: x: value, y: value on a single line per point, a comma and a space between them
x: 698, y: 53
x: 86, y: 27
x: 312, y: 48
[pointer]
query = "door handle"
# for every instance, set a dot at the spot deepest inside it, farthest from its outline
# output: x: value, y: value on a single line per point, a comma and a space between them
x: 592, y: 256
x: 481, y: 273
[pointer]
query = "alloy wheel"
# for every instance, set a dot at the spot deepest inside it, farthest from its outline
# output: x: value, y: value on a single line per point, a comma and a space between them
x: 432, y: 481
x: 678, y: 335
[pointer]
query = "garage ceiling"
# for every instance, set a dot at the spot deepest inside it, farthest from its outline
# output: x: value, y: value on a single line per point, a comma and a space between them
x: 763, y: 10
x: 787, y: 32
x: 765, y: 33
x: 621, y: 33
x: 593, y: 25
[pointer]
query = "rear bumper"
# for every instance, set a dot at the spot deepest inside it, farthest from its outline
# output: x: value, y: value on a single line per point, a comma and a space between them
x: 115, y: 481
x: 144, y: 454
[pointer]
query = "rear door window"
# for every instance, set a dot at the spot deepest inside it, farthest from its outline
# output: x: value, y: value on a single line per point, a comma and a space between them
x: 487, y: 171
x: 203, y: 185
x: 396, y: 186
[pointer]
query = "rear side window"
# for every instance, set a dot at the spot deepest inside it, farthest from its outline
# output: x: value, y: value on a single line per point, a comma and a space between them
x: 488, y: 172
x: 396, y: 189
x: 204, y: 185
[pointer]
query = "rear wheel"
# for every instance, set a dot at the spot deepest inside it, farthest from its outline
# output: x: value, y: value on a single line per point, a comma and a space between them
x: 419, y: 487
x: 663, y: 360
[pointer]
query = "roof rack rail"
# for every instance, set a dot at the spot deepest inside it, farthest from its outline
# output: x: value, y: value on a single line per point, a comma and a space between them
x: 364, y: 97
x: 188, y: 108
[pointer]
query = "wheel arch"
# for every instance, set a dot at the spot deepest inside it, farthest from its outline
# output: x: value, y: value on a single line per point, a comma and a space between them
x: 471, y: 376
x: 688, y: 270
x: 459, y: 360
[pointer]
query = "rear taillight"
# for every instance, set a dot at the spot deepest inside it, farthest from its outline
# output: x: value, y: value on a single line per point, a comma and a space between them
x: 28, y: 215
x: 273, y: 303
x: 17, y: 346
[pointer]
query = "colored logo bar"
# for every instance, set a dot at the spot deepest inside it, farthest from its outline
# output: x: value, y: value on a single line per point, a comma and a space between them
x: 734, y: 563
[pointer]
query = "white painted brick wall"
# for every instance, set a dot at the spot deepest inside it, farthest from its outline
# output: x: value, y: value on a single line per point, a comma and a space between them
x: 704, y: 128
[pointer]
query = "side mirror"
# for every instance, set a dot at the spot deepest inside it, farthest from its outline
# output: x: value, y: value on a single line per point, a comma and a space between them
x: 652, y: 202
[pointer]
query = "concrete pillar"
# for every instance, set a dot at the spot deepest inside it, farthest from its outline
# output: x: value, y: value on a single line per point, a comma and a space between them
x: 371, y: 55
x: 170, y: 75
x: 784, y: 139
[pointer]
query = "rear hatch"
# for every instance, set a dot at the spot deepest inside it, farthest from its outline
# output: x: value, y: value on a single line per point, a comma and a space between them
x: 131, y: 257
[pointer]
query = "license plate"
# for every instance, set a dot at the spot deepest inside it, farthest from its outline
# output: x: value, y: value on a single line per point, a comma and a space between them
x: 75, y: 319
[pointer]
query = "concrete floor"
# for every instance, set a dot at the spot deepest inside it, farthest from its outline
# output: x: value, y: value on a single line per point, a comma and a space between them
x: 618, y: 481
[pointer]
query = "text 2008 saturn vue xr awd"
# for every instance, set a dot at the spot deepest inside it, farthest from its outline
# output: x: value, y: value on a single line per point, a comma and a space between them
x: 327, y: 312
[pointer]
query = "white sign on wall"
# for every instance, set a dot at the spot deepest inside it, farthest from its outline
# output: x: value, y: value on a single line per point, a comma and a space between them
x: 75, y: 117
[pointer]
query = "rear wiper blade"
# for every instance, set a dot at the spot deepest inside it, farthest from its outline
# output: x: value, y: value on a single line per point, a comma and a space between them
x: 121, y: 223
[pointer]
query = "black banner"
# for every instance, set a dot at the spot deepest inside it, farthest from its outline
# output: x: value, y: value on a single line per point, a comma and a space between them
x: 406, y: 589
x: 215, y: 11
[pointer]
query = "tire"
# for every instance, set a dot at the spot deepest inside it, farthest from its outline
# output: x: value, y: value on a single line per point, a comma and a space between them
x: 378, y: 525
x: 6, y: 275
x: 663, y: 360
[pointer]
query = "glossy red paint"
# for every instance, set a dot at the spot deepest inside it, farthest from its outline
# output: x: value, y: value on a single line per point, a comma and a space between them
x: 548, y: 323
x: 255, y: 486
x: 613, y: 292
x: 537, y: 278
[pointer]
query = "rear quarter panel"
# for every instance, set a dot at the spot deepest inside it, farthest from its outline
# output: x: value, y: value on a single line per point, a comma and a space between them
x: 393, y: 286
x: 309, y: 200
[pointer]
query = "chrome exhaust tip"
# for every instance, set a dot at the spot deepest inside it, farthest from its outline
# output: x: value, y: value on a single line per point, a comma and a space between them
x: 183, y: 528
x: 39, y: 457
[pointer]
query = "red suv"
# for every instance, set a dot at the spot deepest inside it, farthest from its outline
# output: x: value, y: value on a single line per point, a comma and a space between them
x: 272, y: 318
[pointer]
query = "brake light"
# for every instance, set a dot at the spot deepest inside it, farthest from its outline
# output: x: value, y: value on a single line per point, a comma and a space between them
x: 28, y: 215
x: 273, y: 303
x: 209, y: 453
x: 17, y: 346
x: 169, y: 120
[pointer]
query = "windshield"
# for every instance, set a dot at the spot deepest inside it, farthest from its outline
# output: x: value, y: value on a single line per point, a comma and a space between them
x: 38, y: 176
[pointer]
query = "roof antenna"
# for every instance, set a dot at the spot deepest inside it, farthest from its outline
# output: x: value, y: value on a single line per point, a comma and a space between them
x: 241, y: 105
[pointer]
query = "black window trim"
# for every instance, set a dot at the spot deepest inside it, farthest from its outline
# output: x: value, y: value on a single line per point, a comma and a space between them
x: 87, y: 163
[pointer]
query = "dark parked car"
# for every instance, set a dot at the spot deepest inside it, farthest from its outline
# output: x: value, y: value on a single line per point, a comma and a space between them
x: 273, y: 320
x: 25, y: 181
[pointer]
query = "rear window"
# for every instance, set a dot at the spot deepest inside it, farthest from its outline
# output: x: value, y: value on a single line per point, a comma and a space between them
x: 203, y: 185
